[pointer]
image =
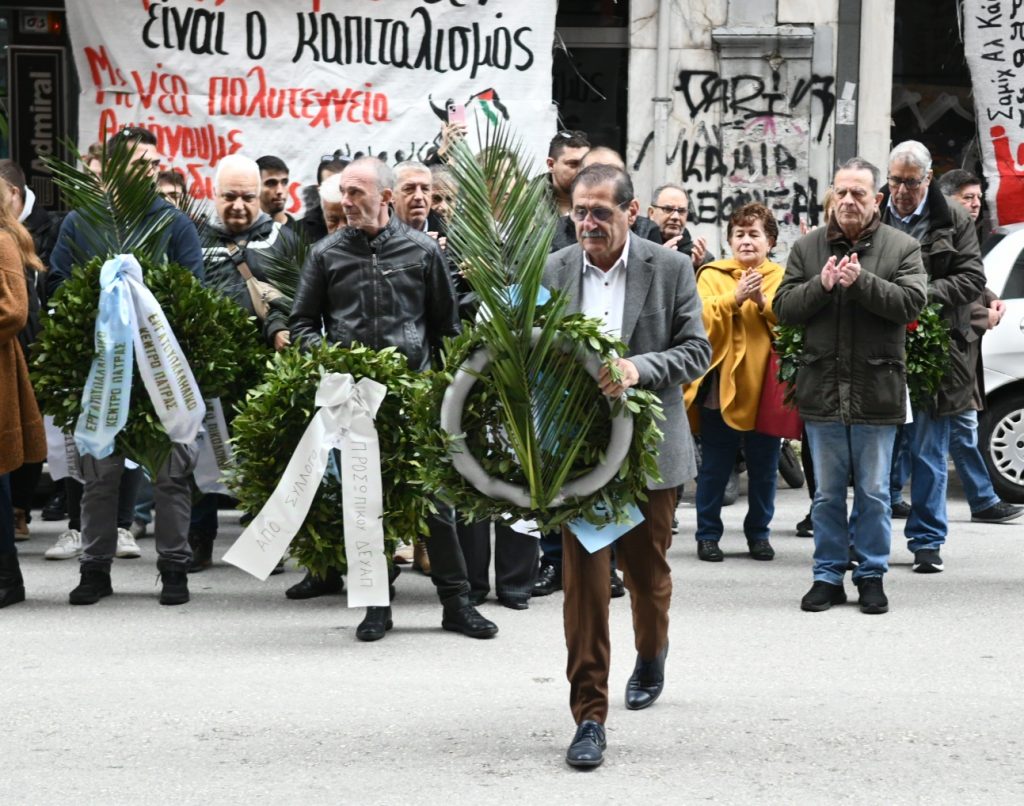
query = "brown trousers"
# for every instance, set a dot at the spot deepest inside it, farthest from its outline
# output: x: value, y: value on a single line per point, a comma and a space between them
x: 641, y: 555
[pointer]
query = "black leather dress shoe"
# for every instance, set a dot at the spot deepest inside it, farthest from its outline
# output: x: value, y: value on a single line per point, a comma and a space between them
x: 647, y: 681
x: 709, y: 552
x: 376, y: 622
x: 313, y: 586
x: 514, y: 603
x: 468, y: 621
x: 588, y: 745
x: 549, y: 580
x: 618, y: 587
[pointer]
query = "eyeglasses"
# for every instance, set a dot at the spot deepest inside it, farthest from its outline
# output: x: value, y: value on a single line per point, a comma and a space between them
x: 912, y: 184
x: 668, y: 209
x: 231, y: 198
x: 602, y: 214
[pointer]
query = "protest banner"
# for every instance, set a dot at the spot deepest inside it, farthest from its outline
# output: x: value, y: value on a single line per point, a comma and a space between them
x: 994, y: 48
x: 307, y: 78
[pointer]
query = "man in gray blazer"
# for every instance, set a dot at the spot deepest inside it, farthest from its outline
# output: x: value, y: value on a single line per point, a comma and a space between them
x: 646, y: 295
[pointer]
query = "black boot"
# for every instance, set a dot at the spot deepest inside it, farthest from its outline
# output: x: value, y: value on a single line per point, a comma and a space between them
x: 202, y: 552
x: 375, y: 624
x: 174, y: 577
x: 94, y: 585
x: 12, y: 586
x: 313, y: 586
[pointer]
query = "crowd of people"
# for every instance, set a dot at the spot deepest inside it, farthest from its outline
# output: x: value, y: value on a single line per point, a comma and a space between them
x: 699, y: 333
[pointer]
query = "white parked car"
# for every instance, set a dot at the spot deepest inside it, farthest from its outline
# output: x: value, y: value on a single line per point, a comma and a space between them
x: 1001, y: 432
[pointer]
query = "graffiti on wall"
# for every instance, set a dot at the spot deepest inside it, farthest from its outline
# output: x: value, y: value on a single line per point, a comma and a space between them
x: 747, y: 138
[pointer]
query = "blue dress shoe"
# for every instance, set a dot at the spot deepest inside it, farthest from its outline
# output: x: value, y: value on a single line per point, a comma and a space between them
x: 647, y: 681
x: 587, y: 748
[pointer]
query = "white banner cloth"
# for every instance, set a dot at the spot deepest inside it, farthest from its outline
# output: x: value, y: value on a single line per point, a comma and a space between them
x: 214, y: 450
x: 62, y: 457
x: 306, y: 78
x: 344, y: 420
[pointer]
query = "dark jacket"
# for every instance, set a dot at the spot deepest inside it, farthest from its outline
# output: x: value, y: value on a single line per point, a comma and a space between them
x: 43, y: 226
x: 311, y: 226
x: 180, y: 244
x: 956, y: 278
x: 264, y: 241
x: 565, y: 231
x: 853, y: 369
x: 393, y: 290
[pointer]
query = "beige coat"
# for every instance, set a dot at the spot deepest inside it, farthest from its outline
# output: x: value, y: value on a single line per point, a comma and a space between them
x: 21, y: 428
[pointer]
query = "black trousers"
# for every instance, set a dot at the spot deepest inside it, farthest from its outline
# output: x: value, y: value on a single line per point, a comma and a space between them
x: 24, y: 481
x: 447, y: 565
x: 515, y: 559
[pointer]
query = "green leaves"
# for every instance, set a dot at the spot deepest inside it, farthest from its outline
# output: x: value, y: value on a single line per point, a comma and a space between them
x: 579, y: 434
x: 273, y: 418
x: 789, y: 344
x: 223, y: 347
x: 927, y: 355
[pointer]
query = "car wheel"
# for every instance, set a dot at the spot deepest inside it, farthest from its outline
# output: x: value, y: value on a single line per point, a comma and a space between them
x: 1002, y: 445
x: 789, y: 466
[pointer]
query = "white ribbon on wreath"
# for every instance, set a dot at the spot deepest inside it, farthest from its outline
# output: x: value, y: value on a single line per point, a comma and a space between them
x: 344, y: 420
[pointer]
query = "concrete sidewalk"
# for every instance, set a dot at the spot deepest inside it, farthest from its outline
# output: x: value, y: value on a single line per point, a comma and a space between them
x: 242, y: 696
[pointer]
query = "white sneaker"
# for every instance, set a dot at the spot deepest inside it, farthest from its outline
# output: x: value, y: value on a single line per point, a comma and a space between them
x: 68, y: 545
x: 127, y: 548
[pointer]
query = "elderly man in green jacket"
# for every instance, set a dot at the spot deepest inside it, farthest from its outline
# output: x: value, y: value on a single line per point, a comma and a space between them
x: 853, y: 285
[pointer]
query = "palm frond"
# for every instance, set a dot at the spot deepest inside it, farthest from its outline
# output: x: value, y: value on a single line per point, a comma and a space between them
x: 500, y: 234
x: 116, y: 206
x: 284, y: 267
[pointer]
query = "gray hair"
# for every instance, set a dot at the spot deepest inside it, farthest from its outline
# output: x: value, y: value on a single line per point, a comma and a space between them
x: 668, y: 186
x: 330, y: 189
x: 385, y: 176
x: 861, y: 164
x: 912, y: 152
x: 598, y: 174
x: 410, y: 166
x: 239, y: 162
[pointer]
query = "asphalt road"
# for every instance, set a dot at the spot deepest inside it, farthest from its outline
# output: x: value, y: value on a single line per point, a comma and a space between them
x: 242, y: 696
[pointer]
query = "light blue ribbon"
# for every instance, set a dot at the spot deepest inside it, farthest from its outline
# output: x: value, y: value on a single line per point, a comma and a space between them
x: 595, y: 537
x: 107, y: 394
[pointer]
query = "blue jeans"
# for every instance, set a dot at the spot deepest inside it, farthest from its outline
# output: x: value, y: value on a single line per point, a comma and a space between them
x: 866, y: 450
x: 928, y: 439
x: 900, y: 467
x: 970, y: 466
x: 719, y: 444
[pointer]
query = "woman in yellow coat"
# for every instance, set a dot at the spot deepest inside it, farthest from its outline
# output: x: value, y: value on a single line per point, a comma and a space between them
x: 737, y: 295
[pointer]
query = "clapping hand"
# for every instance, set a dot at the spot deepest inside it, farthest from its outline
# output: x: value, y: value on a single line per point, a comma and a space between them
x: 830, y: 273
x: 849, y: 270
x: 749, y: 287
x: 700, y: 250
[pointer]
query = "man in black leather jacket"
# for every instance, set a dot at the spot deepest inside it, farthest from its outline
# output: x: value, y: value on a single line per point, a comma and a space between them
x: 383, y: 284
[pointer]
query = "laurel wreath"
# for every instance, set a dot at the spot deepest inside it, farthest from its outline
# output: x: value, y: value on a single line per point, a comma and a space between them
x: 273, y: 418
